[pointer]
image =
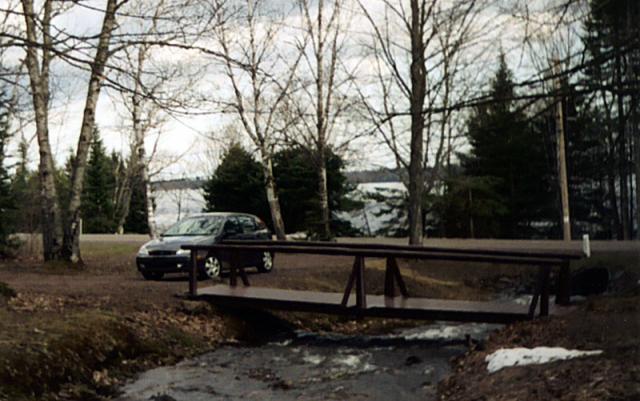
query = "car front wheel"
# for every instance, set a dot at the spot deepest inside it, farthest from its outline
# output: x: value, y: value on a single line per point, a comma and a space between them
x: 266, y: 262
x: 212, y: 267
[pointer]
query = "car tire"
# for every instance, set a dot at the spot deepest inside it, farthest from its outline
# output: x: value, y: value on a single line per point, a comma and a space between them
x: 265, y: 265
x: 212, y: 268
x: 152, y: 275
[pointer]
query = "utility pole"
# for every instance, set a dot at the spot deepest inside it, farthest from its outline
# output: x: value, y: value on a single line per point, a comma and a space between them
x: 562, y: 157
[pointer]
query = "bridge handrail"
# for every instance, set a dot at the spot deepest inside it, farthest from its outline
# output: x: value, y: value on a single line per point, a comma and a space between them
x: 557, y: 254
x: 380, y: 253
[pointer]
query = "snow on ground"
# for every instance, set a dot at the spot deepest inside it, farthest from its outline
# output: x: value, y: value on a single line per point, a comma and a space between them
x: 448, y: 332
x: 506, y: 357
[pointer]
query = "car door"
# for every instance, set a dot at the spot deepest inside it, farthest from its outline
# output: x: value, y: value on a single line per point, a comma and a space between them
x: 250, y: 232
x: 234, y: 230
x: 262, y: 231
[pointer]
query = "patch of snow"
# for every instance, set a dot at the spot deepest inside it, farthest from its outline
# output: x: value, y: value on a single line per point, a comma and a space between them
x: 351, y: 361
x: 355, y: 363
x: 522, y: 300
x: 450, y: 332
x: 313, y: 359
x: 506, y: 357
x: 298, y: 236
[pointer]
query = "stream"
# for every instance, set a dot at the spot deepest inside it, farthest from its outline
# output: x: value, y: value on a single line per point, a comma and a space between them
x: 405, y: 365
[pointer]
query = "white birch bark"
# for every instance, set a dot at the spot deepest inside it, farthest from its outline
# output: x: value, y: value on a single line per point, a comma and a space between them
x: 71, y: 245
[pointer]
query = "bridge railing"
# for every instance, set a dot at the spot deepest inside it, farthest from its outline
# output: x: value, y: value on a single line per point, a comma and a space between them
x: 544, y: 260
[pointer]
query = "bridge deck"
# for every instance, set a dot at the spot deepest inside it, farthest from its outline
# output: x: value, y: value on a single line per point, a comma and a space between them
x: 376, y: 305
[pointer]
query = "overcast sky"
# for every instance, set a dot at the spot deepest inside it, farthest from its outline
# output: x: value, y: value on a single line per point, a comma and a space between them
x: 187, y: 134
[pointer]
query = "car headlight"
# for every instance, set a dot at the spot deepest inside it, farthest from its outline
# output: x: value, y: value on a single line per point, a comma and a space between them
x: 184, y: 252
x: 143, y: 251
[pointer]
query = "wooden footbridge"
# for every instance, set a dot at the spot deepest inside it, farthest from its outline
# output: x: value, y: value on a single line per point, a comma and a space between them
x: 396, y: 301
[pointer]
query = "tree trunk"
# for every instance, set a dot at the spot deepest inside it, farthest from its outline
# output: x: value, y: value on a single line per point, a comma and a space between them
x: 71, y: 245
x: 272, y: 197
x: 622, y: 153
x: 148, y: 201
x: 52, y: 233
x: 418, y: 93
x: 636, y: 152
x: 134, y: 169
x: 323, y: 194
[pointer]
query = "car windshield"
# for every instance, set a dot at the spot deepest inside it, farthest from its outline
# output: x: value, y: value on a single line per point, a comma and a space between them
x: 202, y: 225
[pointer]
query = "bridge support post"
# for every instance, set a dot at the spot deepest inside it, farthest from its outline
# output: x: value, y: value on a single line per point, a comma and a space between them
x: 544, y: 290
x: 361, y: 296
x: 563, y: 294
x: 193, y: 273
x: 356, y: 277
x: 391, y: 276
x: 233, y: 279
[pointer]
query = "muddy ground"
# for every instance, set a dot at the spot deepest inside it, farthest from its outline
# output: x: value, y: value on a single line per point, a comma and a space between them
x: 108, y: 294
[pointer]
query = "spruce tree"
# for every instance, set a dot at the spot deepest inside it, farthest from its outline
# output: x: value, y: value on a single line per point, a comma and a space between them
x: 237, y: 185
x: 136, y: 221
x: 7, y: 201
x: 297, y: 183
x: 24, y: 186
x: 98, y: 191
x: 508, y: 157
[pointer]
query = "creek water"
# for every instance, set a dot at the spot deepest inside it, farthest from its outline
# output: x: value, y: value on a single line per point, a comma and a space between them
x: 406, y: 365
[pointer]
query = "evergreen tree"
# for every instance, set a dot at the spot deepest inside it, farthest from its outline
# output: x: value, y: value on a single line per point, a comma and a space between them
x: 98, y: 191
x: 508, y: 156
x: 297, y: 183
x: 613, y: 50
x: 24, y: 186
x: 237, y: 185
x: 136, y: 221
x: 7, y: 201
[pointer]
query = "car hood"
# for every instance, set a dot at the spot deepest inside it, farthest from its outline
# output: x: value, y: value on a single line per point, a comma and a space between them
x: 174, y: 243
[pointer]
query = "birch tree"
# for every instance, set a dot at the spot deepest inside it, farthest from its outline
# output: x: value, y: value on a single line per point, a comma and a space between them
x: 38, y: 57
x: 260, y: 79
x: 61, y: 239
x: 321, y: 96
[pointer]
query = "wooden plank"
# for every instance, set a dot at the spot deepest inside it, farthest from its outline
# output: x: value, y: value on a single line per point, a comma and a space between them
x: 379, y: 253
x: 558, y: 254
x: 377, y: 305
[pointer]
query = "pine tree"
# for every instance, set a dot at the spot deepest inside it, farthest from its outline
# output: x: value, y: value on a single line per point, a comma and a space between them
x: 297, y: 183
x: 98, y: 191
x: 508, y: 156
x: 136, y: 221
x: 24, y: 186
x: 613, y: 58
x: 237, y: 185
x: 7, y: 200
